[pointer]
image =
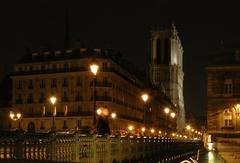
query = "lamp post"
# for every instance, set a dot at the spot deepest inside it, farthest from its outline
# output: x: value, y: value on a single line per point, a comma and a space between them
x: 145, y: 98
x: 172, y: 115
x: 188, y: 127
x: 113, y: 116
x: 15, y: 117
x: 166, y: 111
x: 53, y: 100
x: 94, y: 70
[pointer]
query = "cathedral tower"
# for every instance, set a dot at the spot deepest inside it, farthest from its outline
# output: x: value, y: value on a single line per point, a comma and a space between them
x: 166, y: 67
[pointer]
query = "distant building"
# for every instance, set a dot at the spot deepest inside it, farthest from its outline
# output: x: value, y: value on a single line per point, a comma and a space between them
x: 166, y: 68
x: 66, y: 75
x: 223, y: 98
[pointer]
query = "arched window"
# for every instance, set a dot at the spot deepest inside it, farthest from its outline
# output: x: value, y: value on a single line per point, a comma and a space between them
x: 227, y: 118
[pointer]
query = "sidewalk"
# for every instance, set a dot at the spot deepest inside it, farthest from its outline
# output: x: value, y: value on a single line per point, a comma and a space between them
x: 210, y: 157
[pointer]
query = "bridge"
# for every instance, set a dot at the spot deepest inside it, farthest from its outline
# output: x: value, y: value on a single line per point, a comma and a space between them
x: 76, y: 147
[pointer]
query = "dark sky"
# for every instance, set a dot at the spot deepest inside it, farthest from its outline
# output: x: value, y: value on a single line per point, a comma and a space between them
x: 123, y: 26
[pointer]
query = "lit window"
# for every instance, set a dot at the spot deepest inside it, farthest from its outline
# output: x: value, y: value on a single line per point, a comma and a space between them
x: 227, y: 118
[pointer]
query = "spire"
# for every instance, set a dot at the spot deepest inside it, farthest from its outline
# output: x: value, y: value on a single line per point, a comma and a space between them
x: 66, y: 37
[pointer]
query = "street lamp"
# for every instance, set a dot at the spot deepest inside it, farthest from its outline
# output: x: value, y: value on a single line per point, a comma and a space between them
x: 15, y: 117
x: 152, y: 131
x: 173, y: 115
x: 53, y: 100
x: 94, y: 70
x: 113, y: 116
x: 166, y: 111
x: 130, y: 128
x: 144, y: 98
x: 188, y: 127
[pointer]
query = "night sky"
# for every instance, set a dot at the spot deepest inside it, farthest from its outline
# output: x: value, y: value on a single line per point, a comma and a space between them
x: 123, y: 26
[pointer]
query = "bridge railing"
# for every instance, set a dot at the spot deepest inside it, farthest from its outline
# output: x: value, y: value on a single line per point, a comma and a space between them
x: 91, y: 148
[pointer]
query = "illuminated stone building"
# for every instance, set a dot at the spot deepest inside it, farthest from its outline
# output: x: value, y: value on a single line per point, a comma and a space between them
x: 66, y: 75
x: 166, y: 67
x: 223, y: 91
x: 223, y: 101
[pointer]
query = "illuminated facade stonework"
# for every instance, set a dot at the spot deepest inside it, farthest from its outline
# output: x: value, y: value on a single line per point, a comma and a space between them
x: 66, y: 75
x: 223, y: 91
x: 166, y: 68
x: 223, y: 103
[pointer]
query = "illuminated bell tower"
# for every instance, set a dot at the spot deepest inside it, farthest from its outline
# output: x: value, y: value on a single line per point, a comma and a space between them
x: 166, y: 68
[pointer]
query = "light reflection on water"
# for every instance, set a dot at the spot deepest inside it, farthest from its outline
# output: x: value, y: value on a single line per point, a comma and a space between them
x: 210, y: 156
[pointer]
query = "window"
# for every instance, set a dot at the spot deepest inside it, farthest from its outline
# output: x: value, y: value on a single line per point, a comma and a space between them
x: 19, y: 99
x: 30, y: 98
x: 65, y: 124
x: 105, y: 93
x: 30, y: 84
x: 64, y: 98
x: 53, y: 83
x: 65, y: 82
x: 64, y: 94
x: 104, y: 65
x: 42, y: 97
x: 105, y: 80
x: 20, y: 84
x: 42, y: 84
x: 228, y: 88
x: 227, y: 118
x: 79, y: 81
x: 42, y: 67
x: 65, y: 67
x: 42, y: 125
x: 79, y: 109
x: 78, y: 97
x: 54, y: 67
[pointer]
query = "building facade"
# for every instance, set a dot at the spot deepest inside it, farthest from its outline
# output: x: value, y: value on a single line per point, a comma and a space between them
x: 223, y: 91
x: 223, y: 103
x: 166, y: 68
x: 66, y: 75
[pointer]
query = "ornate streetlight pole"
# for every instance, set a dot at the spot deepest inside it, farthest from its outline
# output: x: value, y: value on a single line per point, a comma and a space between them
x: 145, y: 99
x: 15, y: 117
x: 94, y: 70
x: 53, y: 100
x: 166, y: 111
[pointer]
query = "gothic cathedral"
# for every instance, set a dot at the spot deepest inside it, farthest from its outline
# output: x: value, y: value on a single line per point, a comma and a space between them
x: 166, y: 68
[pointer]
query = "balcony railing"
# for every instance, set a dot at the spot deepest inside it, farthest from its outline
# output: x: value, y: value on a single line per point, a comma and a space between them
x: 49, y: 71
x: 101, y: 84
x: 102, y: 98
x: 59, y: 114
